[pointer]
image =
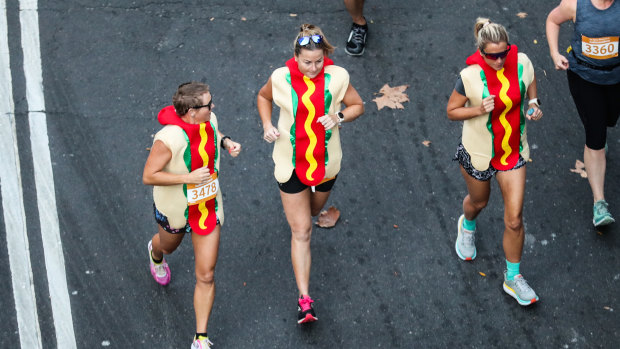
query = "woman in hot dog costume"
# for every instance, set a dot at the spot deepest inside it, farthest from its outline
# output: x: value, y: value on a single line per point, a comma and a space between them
x: 593, y: 71
x: 309, y: 91
x: 491, y: 97
x: 183, y: 166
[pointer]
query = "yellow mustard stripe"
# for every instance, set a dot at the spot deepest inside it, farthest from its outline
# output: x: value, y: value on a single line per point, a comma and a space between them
x: 204, y: 213
x: 202, y: 207
x: 308, y: 127
x: 502, y: 118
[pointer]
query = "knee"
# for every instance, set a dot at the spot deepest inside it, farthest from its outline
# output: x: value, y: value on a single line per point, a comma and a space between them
x: 302, y: 234
x: 205, y: 276
x: 478, y: 204
x: 514, y: 223
x: 167, y: 249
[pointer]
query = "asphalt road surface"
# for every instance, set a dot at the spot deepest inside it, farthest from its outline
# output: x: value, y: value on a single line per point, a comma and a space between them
x: 386, y: 276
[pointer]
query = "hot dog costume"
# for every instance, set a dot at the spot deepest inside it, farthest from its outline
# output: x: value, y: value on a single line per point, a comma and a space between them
x: 304, y: 145
x: 497, y: 137
x: 192, y: 146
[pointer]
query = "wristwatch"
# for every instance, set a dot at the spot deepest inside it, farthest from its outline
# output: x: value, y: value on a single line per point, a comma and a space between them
x: 340, y: 118
x: 535, y: 101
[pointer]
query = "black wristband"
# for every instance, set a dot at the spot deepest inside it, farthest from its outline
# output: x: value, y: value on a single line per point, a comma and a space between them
x: 222, y: 141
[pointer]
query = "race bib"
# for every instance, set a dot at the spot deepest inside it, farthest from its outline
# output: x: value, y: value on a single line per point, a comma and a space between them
x: 599, y: 48
x: 197, y: 193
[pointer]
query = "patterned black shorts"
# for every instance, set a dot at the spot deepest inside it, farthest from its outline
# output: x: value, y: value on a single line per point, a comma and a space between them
x: 462, y: 156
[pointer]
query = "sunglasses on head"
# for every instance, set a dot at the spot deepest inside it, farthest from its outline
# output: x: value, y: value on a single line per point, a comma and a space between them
x: 305, y: 40
x: 495, y: 56
x: 208, y: 105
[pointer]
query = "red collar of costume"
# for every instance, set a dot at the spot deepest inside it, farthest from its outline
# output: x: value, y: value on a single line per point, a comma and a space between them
x: 309, y: 134
x: 506, y: 117
x: 203, y: 149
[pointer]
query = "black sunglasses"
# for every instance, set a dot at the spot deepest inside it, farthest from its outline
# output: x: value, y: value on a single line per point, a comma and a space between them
x: 495, y: 56
x: 208, y: 105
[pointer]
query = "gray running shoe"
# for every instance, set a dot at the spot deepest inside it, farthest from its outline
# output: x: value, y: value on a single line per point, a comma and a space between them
x: 465, y: 242
x: 520, y: 290
x: 601, y: 214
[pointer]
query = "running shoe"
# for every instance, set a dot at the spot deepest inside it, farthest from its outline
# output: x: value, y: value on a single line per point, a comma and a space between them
x: 357, y: 40
x: 160, y: 271
x: 306, y: 313
x: 601, y: 214
x: 520, y: 290
x: 201, y: 343
x: 465, y: 242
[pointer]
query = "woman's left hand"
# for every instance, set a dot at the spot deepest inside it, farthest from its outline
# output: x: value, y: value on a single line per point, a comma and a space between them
x: 534, y: 113
x: 328, y: 121
x: 234, y: 148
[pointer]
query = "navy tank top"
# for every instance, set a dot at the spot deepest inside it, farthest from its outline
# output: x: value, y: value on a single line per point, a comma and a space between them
x: 594, y: 56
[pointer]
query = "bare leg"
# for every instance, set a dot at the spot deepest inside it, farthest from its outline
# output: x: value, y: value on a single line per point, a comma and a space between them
x: 595, y: 167
x: 205, y: 251
x: 512, y: 185
x: 477, y: 197
x: 165, y: 243
x: 356, y: 10
x: 298, y: 209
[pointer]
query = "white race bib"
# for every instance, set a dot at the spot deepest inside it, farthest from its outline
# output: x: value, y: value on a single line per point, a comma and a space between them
x: 197, y: 193
x: 599, y: 48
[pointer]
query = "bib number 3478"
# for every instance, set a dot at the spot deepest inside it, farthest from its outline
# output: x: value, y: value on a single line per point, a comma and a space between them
x: 599, y: 48
x: 197, y: 193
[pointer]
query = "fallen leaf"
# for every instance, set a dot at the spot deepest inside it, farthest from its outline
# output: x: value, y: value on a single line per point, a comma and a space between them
x: 211, y: 19
x: 328, y: 218
x: 426, y: 143
x: 535, y: 41
x: 244, y: 284
x: 529, y: 160
x: 392, y: 97
x: 395, y: 273
x: 293, y: 15
x: 244, y: 19
x: 608, y: 308
x: 522, y: 14
x: 395, y: 226
x: 580, y: 168
x: 149, y: 149
x: 481, y: 273
x: 599, y: 233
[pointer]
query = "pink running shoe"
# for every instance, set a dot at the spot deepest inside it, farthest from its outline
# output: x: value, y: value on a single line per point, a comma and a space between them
x: 306, y: 313
x: 160, y: 271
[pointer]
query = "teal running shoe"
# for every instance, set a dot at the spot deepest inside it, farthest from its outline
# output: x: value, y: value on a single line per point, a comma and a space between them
x: 601, y: 214
x: 520, y: 290
x: 465, y: 245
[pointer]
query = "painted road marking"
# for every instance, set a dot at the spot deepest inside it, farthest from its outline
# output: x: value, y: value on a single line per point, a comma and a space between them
x: 13, y: 204
x: 44, y: 177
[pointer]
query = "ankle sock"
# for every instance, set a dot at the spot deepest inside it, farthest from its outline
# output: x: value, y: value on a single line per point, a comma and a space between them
x: 513, y: 270
x: 155, y: 260
x: 198, y: 335
x: 469, y: 225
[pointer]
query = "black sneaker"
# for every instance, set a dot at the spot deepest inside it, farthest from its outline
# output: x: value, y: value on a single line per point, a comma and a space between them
x: 357, y: 40
x: 306, y: 313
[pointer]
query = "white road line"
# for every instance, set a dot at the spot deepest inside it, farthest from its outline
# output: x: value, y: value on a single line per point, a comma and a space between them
x: 44, y: 178
x: 13, y: 204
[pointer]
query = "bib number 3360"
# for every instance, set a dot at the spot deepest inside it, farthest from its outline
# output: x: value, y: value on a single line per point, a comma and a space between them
x: 599, y: 48
x: 197, y: 193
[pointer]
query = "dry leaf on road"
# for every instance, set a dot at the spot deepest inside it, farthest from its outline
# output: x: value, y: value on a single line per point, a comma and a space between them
x: 392, y: 97
x: 426, y: 143
x: 580, y: 168
x: 328, y: 218
x: 522, y: 14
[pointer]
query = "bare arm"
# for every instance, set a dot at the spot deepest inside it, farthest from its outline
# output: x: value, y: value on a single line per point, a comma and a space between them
x: 154, y: 173
x: 264, y: 104
x: 457, y: 110
x: 533, y: 112
x: 354, y: 108
x: 567, y: 10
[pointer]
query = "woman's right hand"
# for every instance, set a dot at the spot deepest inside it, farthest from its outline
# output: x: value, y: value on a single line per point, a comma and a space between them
x: 488, y: 104
x: 271, y: 134
x: 199, y: 176
x: 560, y: 62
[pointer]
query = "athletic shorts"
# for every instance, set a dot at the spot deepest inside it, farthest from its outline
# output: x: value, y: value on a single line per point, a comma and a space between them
x: 294, y: 185
x: 162, y: 220
x: 598, y: 107
x: 462, y: 156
